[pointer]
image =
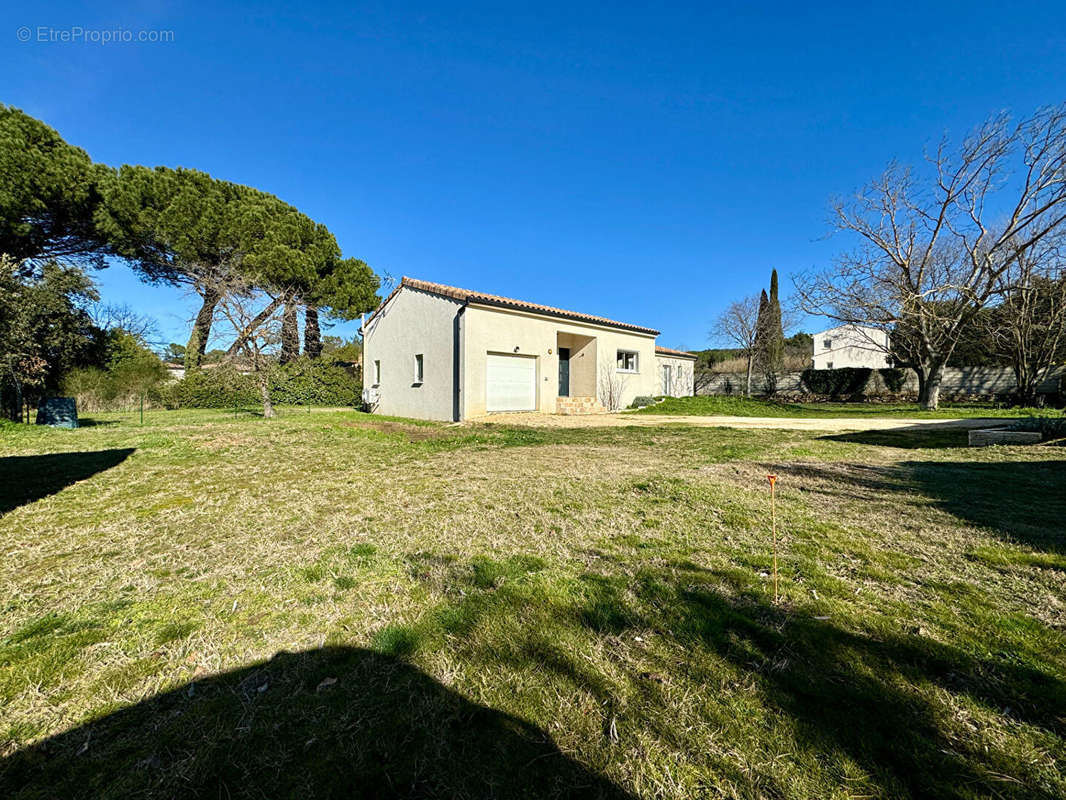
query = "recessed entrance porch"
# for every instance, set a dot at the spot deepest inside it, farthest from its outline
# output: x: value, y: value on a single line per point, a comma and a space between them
x: 577, y: 374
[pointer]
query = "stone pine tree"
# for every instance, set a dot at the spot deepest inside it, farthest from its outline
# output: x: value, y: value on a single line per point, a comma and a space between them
x: 183, y: 228
x: 312, y: 333
x: 290, y: 333
x: 49, y: 194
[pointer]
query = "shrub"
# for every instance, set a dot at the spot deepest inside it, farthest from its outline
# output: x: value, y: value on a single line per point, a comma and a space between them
x: 222, y: 387
x: 132, y: 372
x: 894, y: 379
x: 1048, y: 427
x: 643, y: 400
x: 836, y: 382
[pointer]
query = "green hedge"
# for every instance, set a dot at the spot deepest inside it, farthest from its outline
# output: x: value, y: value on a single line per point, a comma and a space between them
x: 302, y: 382
x: 836, y: 382
x: 850, y: 381
x: 316, y: 383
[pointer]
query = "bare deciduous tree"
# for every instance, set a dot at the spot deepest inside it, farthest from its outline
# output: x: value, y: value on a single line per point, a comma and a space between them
x: 933, y: 247
x: 739, y: 325
x: 259, y: 334
x: 1029, y: 326
x: 612, y: 386
x: 110, y: 316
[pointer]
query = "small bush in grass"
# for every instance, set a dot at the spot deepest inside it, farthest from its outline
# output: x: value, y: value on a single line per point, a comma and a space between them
x: 642, y: 401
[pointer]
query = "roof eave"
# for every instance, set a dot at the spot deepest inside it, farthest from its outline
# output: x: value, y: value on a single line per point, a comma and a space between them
x: 575, y: 317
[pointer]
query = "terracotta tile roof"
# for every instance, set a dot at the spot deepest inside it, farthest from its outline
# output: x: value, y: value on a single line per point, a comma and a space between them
x: 669, y: 351
x: 479, y: 298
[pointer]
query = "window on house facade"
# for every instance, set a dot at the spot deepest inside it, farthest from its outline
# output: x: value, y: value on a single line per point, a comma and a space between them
x: 418, y: 368
x: 627, y: 361
x: 377, y: 372
x: 829, y: 365
x: 827, y: 344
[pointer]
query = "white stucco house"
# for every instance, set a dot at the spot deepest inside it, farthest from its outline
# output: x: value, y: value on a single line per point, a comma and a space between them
x: 439, y: 352
x: 851, y: 346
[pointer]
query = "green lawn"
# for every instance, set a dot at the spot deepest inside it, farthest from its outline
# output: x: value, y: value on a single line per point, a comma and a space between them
x: 739, y: 406
x: 334, y: 605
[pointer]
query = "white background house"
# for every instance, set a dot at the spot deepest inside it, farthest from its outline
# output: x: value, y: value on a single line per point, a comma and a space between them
x: 851, y: 346
x: 438, y: 352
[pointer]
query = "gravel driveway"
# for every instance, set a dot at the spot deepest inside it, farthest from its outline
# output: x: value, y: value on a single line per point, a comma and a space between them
x: 781, y: 423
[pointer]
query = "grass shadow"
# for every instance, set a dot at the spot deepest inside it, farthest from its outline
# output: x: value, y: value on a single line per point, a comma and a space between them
x: 1022, y: 501
x: 875, y: 700
x: 850, y: 692
x: 26, y: 479
x: 923, y: 438
x: 335, y: 722
x: 1025, y: 500
x: 889, y: 702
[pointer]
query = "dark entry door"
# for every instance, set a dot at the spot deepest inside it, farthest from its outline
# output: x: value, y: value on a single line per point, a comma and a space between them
x: 564, y: 372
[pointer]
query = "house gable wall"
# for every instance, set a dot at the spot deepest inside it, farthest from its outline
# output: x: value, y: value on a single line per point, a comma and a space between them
x: 413, y: 322
x: 851, y: 346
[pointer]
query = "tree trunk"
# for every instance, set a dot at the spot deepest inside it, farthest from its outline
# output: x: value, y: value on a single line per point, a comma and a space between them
x: 201, y: 329
x: 312, y: 333
x: 747, y: 386
x: 929, y: 394
x: 290, y: 334
x: 244, y: 335
x: 264, y: 391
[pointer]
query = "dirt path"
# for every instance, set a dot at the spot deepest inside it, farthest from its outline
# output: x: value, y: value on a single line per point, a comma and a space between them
x: 781, y: 423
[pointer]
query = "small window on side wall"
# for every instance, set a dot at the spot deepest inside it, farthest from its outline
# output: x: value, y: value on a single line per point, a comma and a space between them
x: 627, y: 361
x: 377, y: 372
x: 418, y: 368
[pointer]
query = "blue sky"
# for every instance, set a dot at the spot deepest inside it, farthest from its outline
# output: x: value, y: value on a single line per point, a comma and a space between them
x: 648, y: 163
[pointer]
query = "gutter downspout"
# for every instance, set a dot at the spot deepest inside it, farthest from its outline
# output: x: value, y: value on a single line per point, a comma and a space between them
x: 362, y: 335
x: 460, y: 372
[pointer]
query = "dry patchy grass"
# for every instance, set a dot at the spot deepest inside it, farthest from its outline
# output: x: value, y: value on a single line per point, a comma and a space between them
x: 338, y: 604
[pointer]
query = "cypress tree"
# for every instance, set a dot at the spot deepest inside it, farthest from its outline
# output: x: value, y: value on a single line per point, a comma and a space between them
x: 775, y: 334
x: 762, y: 326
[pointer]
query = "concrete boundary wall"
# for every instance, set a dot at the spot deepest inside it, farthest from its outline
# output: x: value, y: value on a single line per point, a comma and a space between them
x: 957, y: 380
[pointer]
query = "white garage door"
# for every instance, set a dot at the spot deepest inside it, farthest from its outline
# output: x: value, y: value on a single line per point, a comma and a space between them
x: 510, y: 383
